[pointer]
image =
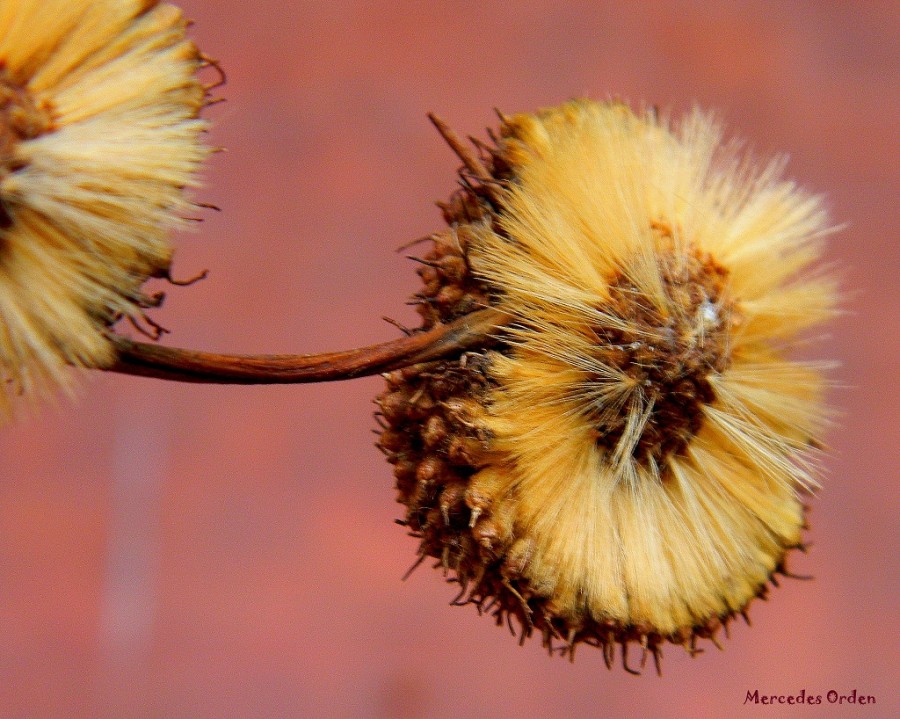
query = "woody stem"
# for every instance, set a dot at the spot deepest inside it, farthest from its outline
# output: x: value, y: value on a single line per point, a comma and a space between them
x: 472, y: 331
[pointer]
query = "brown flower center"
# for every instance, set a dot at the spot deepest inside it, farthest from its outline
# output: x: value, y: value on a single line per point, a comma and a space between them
x: 664, y: 354
x: 21, y: 118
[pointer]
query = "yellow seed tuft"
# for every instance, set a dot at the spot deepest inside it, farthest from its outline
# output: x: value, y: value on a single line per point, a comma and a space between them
x: 99, y: 137
x: 640, y: 441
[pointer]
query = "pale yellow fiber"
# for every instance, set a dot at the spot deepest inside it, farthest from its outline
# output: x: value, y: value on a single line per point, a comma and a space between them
x: 99, y: 137
x: 652, y: 542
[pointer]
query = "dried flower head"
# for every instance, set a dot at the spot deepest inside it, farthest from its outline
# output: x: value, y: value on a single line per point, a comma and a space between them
x: 628, y: 463
x: 99, y: 136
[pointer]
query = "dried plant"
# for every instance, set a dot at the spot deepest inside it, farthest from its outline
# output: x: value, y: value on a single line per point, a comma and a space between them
x: 598, y: 431
x: 99, y: 137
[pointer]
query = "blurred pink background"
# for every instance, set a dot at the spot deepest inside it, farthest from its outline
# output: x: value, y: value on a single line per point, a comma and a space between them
x: 191, y: 551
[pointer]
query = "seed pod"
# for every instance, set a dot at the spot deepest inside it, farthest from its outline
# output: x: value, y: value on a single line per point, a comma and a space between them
x: 633, y: 451
x: 99, y: 137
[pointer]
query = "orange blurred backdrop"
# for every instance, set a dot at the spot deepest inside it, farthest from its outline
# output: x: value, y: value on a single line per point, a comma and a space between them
x: 194, y: 551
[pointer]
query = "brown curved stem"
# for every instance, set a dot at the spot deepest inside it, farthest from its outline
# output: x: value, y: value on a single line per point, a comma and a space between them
x: 476, y: 330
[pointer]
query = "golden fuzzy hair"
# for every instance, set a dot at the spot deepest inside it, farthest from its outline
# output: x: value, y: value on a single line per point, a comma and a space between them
x: 99, y: 136
x: 643, y: 544
x: 629, y: 464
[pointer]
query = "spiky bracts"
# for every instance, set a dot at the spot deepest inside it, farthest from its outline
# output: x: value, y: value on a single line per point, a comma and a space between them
x: 628, y: 465
x: 99, y: 137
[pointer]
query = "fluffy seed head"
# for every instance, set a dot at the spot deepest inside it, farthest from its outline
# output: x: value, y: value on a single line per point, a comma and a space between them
x: 629, y: 464
x: 99, y: 137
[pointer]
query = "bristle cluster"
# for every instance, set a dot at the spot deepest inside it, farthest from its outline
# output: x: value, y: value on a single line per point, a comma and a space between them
x: 21, y: 119
x: 626, y: 464
x: 99, y: 137
x: 660, y: 357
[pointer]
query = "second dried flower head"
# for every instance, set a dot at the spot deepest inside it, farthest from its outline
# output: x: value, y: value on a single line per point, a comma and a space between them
x: 628, y: 465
